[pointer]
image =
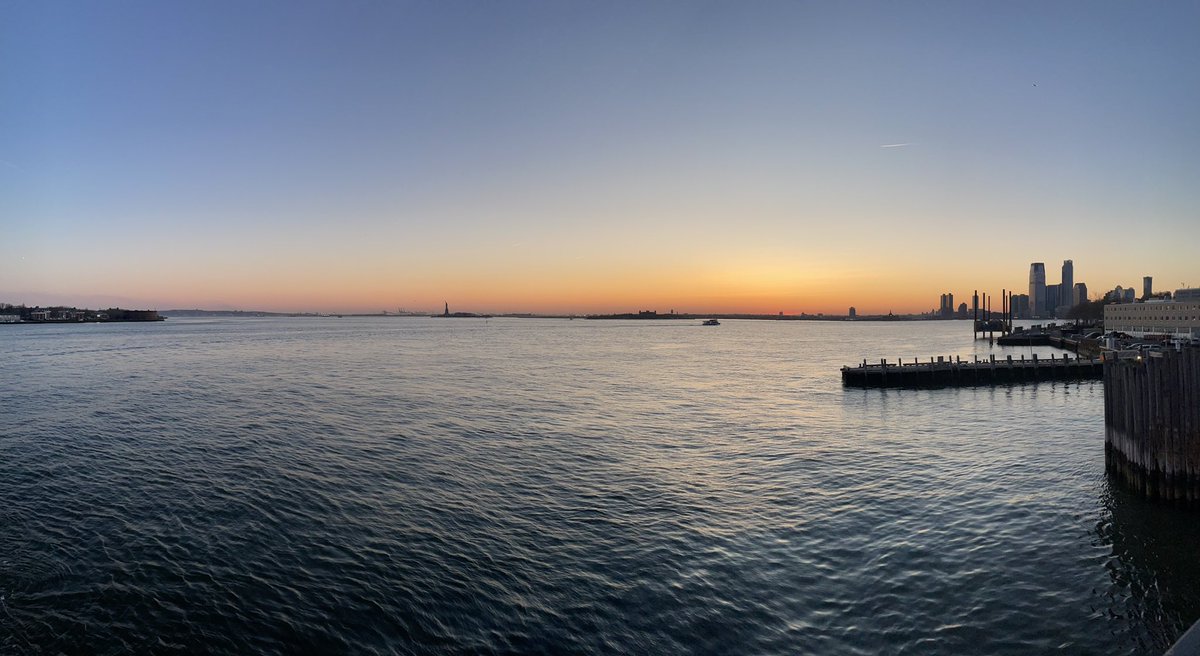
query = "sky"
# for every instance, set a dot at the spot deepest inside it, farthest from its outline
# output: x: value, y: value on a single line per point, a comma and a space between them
x: 580, y: 156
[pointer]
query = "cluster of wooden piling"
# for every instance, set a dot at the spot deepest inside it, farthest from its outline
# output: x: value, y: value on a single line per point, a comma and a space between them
x: 954, y: 372
x: 1152, y: 423
x: 986, y: 324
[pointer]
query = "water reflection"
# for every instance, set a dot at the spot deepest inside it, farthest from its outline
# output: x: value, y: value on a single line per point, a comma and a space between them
x: 1153, y: 569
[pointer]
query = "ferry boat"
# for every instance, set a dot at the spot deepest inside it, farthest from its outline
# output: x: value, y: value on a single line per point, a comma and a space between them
x: 711, y: 322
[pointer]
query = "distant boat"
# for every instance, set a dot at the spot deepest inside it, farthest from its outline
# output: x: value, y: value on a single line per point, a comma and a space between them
x: 711, y: 322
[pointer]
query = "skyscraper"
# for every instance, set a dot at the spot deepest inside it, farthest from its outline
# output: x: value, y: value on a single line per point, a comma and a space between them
x: 1067, y: 288
x: 946, y: 305
x: 1051, y: 300
x: 1020, y: 306
x: 1147, y: 287
x: 1079, y: 294
x: 1037, y: 289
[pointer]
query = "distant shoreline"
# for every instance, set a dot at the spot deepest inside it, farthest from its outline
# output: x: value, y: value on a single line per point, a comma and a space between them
x: 58, y: 315
x: 763, y: 317
x: 68, y: 322
x: 691, y: 316
x: 634, y: 316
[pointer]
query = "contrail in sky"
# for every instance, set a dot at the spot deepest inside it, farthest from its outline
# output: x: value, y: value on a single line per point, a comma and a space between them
x: 899, y: 145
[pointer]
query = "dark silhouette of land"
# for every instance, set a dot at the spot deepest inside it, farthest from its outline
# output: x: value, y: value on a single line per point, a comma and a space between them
x: 10, y: 314
x: 59, y: 314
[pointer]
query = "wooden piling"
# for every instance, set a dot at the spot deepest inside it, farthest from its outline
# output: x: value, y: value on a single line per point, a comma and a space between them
x: 975, y: 315
x: 1152, y: 423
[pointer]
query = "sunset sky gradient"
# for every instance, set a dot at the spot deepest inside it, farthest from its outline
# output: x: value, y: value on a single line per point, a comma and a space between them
x: 592, y: 156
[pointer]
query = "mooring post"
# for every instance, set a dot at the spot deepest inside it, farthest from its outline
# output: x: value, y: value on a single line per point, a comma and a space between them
x: 991, y: 326
x: 975, y: 315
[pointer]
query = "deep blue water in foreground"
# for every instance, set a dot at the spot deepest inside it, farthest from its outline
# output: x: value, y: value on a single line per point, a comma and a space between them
x: 388, y: 485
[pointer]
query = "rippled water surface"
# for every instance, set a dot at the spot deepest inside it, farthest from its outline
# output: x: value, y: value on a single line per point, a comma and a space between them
x: 412, y: 485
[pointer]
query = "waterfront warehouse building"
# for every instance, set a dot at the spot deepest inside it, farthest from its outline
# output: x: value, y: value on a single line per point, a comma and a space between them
x: 1171, y: 318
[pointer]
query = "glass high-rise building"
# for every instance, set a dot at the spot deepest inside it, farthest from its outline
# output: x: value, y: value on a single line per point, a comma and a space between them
x: 1020, y: 306
x: 1037, y: 289
x: 1066, y: 290
x: 1080, y: 294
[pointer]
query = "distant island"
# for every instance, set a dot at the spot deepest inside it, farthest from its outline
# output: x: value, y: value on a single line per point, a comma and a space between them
x: 236, y: 313
x: 447, y: 314
x: 10, y: 314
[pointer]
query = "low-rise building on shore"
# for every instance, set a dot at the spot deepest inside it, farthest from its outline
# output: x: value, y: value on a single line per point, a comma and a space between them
x: 22, y: 314
x: 1173, y: 318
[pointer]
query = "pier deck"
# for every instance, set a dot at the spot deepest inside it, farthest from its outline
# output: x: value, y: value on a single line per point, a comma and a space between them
x: 954, y: 372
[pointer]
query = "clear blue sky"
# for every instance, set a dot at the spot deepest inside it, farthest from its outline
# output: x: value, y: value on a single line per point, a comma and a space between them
x: 579, y: 156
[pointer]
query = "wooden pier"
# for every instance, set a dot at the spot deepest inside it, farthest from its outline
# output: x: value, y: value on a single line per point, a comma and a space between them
x: 1152, y: 423
x: 954, y: 372
x: 1025, y: 338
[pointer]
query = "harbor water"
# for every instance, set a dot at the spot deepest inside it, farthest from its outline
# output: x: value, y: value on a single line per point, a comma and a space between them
x: 419, y: 485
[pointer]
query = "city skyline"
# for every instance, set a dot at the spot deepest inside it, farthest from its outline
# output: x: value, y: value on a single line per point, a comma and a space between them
x: 534, y: 157
x: 947, y: 307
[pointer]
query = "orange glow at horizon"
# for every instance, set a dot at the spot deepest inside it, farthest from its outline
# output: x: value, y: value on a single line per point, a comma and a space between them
x: 748, y: 274
x: 760, y: 288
